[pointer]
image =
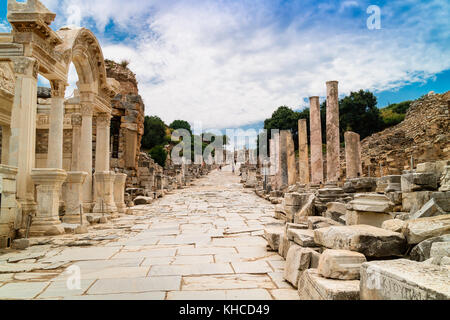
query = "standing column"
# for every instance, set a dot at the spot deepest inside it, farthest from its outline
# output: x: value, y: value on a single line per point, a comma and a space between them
x: 86, y: 152
x: 102, y: 142
x: 56, y: 131
x: 333, y: 143
x: 77, y: 121
x: 352, y: 155
x: 291, y: 163
x: 6, y: 135
x: 283, y: 160
x: 23, y: 129
x: 316, y: 142
x: 303, y: 151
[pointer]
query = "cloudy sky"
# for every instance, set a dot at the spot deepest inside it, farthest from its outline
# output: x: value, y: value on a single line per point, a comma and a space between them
x: 231, y: 63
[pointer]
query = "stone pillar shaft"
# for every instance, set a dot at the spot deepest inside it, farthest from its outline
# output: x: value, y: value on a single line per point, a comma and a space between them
x: 102, y: 144
x: 23, y: 127
x: 56, y: 131
x: 119, y: 191
x: 333, y: 141
x: 303, y: 152
x: 352, y: 155
x: 291, y: 163
x: 86, y: 150
x: 77, y: 120
x: 72, y: 194
x: 6, y: 135
x: 283, y: 160
x: 316, y: 141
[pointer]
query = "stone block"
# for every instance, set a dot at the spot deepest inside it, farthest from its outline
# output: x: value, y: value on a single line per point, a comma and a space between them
x: 371, y: 202
x: 340, y: 264
x: 298, y: 260
x: 394, y: 225
x: 312, y: 286
x: 20, y: 244
x: 320, y: 222
x: 414, y: 201
x: 307, y: 210
x: 273, y: 235
x: 336, y: 211
x: 422, y: 229
x: 430, y: 209
x: 304, y: 238
x: 374, y: 219
x: 404, y: 280
x: 412, y: 182
x: 422, y: 251
x: 294, y: 199
x: 442, y: 199
x: 368, y: 240
x: 440, y: 250
x: 284, y: 246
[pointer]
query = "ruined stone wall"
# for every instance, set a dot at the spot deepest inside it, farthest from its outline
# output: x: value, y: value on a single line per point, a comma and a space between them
x: 424, y: 134
x: 127, y: 124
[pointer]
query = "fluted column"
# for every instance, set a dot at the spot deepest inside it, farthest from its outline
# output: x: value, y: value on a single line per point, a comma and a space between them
x: 86, y: 150
x: 333, y: 141
x: 56, y: 131
x: 316, y: 142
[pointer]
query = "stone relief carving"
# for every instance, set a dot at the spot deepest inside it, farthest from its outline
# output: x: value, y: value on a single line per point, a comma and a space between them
x: 7, y: 78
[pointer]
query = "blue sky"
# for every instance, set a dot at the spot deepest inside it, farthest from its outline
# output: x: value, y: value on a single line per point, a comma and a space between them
x: 231, y: 63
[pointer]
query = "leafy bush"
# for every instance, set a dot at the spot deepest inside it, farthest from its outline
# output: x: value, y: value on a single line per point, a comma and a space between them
x: 159, y: 154
x: 154, y: 132
x: 394, y: 113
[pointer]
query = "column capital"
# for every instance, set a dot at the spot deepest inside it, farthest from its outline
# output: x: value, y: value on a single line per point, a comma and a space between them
x: 87, y: 109
x: 103, y: 119
x: 77, y: 119
x: 26, y: 66
x: 58, y: 88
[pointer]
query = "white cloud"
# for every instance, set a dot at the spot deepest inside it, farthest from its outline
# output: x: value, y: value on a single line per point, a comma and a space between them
x: 232, y: 65
x: 4, y: 26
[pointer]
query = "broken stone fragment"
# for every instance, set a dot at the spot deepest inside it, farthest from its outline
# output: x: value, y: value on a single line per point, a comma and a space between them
x: 307, y: 210
x: 273, y: 235
x: 284, y: 246
x: 414, y: 201
x: 394, y: 225
x: 304, y: 238
x: 341, y: 264
x: 141, y: 200
x: 20, y: 244
x: 375, y: 219
x: 422, y: 251
x: 430, y: 209
x: 404, y: 280
x: 368, y: 240
x: 442, y: 199
x: 320, y: 222
x: 440, y: 250
x: 298, y: 260
x: 371, y: 202
x: 312, y: 286
x: 422, y: 229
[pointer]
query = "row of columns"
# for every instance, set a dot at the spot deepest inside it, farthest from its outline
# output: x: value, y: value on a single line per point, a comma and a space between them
x: 284, y: 158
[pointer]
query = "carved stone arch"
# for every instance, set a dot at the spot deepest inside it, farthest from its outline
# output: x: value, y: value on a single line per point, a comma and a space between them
x: 81, y: 47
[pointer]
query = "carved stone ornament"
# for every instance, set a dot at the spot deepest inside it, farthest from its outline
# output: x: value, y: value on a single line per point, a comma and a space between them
x: 103, y: 119
x: 58, y: 88
x: 7, y: 78
x: 87, y: 110
x: 26, y: 66
x: 76, y: 119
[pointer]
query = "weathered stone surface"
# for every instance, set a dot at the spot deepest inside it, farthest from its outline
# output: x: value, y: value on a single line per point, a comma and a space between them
x: 404, y: 280
x: 440, y: 250
x: 307, y: 210
x: 284, y: 246
x: 371, y: 202
x: 336, y: 211
x: 394, y: 225
x: 294, y: 199
x: 312, y: 286
x: 422, y: 229
x: 298, y: 260
x: 304, y: 238
x: 142, y: 200
x: 374, y: 219
x: 422, y: 251
x: 445, y: 180
x: 273, y: 235
x: 414, y: 201
x: 340, y: 264
x: 430, y: 209
x: 365, y: 184
x: 412, y: 182
x: 20, y: 244
x: 442, y: 199
x: 320, y: 222
x: 368, y: 240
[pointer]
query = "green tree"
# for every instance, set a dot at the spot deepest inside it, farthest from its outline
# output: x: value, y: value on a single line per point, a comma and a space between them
x: 358, y: 112
x: 284, y: 118
x: 159, y: 154
x: 180, y: 124
x: 154, y: 132
x: 394, y: 113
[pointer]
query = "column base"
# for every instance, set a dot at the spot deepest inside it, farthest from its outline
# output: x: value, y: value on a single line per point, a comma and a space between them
x: 104, y: 186
x: 49, y: 182
x: 72, y: 195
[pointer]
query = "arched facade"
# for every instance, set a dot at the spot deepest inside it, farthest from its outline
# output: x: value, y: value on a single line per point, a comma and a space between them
x: 33, y: 48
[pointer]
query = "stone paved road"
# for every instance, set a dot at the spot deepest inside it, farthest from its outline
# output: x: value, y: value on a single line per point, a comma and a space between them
x: 202, y: 242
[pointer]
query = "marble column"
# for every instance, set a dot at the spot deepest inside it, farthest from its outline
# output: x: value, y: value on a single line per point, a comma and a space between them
x: 77, y: 121
x: 56, y: 131
x: 103, y: 177
x: 119, y: 192
x: 352, y: 155
x: 303, y: 152
x: 85, y: 160
x: 283, y: 160
x: 333, y: 141
x: 6, y: 135
x: 316, y: 142
x: 291, y: 163
x: 9, y: 206
x: 22, y: 144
